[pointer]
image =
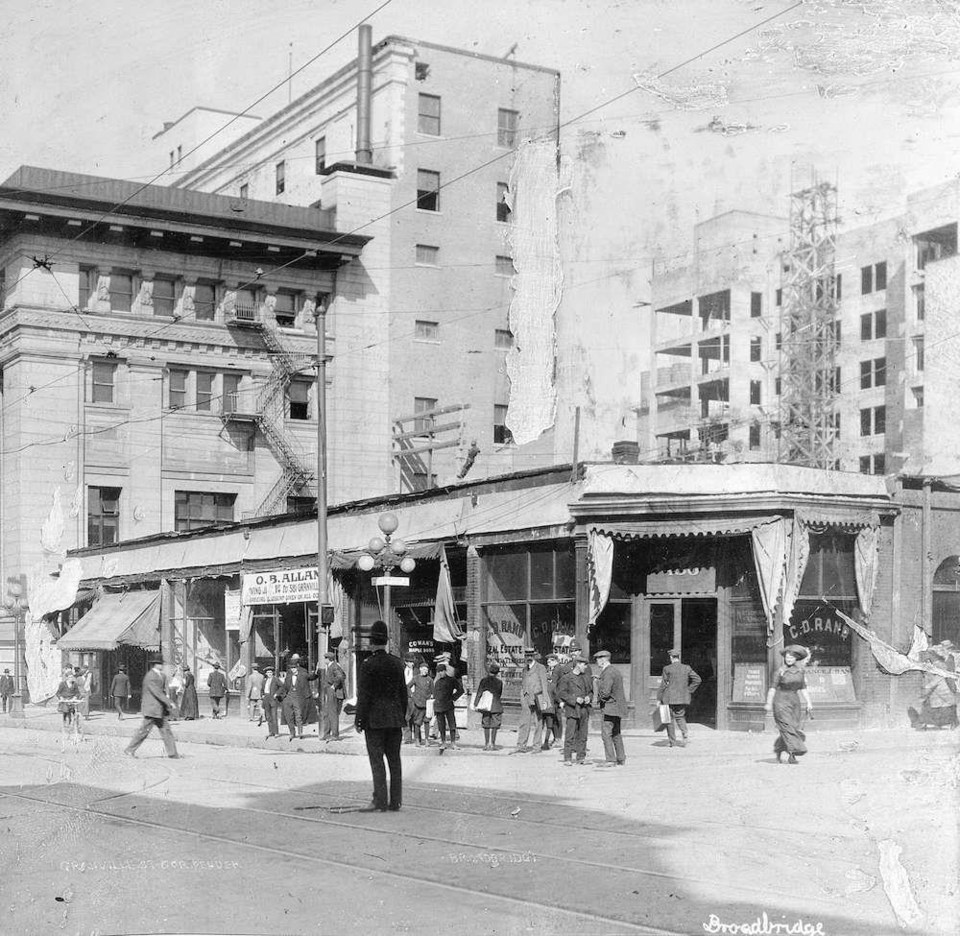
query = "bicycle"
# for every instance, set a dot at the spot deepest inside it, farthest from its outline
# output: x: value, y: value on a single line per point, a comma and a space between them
x: 74, y: 719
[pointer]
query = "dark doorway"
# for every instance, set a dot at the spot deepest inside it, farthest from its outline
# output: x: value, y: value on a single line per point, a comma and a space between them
x: 698, y: 642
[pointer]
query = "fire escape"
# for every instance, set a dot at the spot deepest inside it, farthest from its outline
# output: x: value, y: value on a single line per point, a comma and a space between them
x: 269, y: 409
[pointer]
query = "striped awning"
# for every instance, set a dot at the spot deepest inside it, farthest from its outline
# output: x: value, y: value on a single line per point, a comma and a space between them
x: 129, y: 618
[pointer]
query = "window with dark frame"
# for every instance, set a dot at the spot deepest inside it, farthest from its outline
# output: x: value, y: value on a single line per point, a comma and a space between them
x: 756, y: 349
x: 504, y: 266
x: 918, y: 345
x: 754, y: 439
x: 426, y: 331
x: 428, y: 190
x: 424, y: 424
x: 286, y: 308
x: 866, y: 280
x: 755, y: 391
x: 103, y: 516
x: 177, y: 388
x: 89, y: 278
x: 204, y: 302
x: 281, y: 175
x: 507, y: 123
x: 195, y: 510
x: 427, y: 255
x: 501, y: 434
x: 244, y: 191
x: 205, y: 381
x: 103, y: 377
x: 873, y: 421
x: 779, y: 297
x: 298, y: 399
x: 503, y: 207
x: 756, y: 304
x: 320, y: 155
x: 919, y: 301
x: 503, y: 338
x: 880, y: 276
x: 230, y: 399
x: 121, y: 292
x: 164, y: 295
x: 428, y: 114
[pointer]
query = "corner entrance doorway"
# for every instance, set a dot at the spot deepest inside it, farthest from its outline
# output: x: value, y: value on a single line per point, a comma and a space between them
x: 691, y: 625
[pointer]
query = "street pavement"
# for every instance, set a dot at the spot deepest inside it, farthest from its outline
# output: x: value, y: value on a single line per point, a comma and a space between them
x: 860, y: 838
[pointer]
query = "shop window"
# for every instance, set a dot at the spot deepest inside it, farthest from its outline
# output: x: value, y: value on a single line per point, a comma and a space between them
x: 201, y: 635
x: 613, y: 631
x: 103, y: 516
x: 194, y: 510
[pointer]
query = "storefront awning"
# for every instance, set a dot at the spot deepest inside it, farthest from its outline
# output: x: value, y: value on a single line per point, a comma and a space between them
x: 131, y: 618
x: 704, y: 526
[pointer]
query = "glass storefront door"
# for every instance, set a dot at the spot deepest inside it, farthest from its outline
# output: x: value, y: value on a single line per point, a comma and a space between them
x: 660, y: 631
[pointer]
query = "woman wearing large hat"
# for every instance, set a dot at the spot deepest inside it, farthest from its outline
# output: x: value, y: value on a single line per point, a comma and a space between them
x: 787, y: 699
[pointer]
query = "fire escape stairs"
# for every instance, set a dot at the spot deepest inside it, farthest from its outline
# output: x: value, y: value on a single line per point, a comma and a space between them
x: 269, y: 413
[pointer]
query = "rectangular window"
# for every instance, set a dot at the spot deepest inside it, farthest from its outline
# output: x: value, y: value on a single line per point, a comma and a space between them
x: 503, y: 338
x: 428, y: 190
x: 918, y: 298
x: 756, y: 349
x: 245, y: 191
x: 779, y: 297
x: 89, y: 277
x: 837, y: 334
x: 501, y: 434
x: 204, y: 302
x: 507, y: 124
x: 204, y: 392
x: 164, y: 295
x: 778, y: 386
x: 104, y: 376
x: 121, y: 292
x: 755, y: 390
x: 918, y: 396
x: 839, y: 287
x: 285, y: 310
x: 879, y: 463
x: 194, y: 510
x: 427, y: 255
x: 246, y: 305
x: 504, y: 266
x: 918, y: 342
x: 103, y: 516
x: 873, y: 421
x: 779, y: 341
x: 428, y: 114
x: 866, y: 327
x: 880, y: 372
x: 866, y: 422
x: 880, y: 323
x: 756, y: 304
x: 177, y: 389
x: 231, y: 393
x: 936, y: 244
x: 503, y: 208
x: 281, y: 171
x: 865, y: 464
x: 426, y: 331
x: 866, y: 280
x: 320, y: 155
x: 866, y: 375
x: 298, y: 400
x: 880, y: 276
x: 423, y: 424
x: 754, y: 441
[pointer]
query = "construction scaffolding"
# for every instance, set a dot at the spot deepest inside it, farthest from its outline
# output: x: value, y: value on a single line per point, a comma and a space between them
x: 809, y: 330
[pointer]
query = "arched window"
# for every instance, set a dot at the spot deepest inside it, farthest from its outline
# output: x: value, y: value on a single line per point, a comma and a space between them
x: 946, y: 600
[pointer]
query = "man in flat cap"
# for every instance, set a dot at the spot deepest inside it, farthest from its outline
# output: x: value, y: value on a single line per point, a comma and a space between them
x: 535, y: 702
x: 294, y: 696
x: 330, y: 702
x: 613, y: 705
x: 155, y: 708
x: 677, y: 685
x: 381, y: 712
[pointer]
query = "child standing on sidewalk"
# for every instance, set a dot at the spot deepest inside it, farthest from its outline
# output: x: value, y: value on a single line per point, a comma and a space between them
x: 446, y: 690
x: 421, y: 689
x: 490, y: 707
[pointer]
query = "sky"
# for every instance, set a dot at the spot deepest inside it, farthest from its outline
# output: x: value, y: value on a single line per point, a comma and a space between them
x: 863, y: 92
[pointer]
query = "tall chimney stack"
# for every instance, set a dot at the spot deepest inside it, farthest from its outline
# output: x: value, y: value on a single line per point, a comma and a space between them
x: 364, y: 152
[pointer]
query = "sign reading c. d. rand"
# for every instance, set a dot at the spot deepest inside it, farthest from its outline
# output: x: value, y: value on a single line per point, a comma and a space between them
x: 288, y: 586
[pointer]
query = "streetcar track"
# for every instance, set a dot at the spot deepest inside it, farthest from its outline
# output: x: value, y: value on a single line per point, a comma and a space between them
x: 341, y: 864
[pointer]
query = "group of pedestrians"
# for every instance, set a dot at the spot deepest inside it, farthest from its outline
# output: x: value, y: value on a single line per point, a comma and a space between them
x: 290, y: 696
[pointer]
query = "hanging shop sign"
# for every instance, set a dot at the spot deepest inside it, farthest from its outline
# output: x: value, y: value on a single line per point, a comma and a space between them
x: 289, y: 586
x: 698, y: 580
x: 231, y: 608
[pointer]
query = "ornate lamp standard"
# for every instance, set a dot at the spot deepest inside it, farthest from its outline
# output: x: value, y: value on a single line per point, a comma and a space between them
x: 16, y: 603
x: 388, y: 553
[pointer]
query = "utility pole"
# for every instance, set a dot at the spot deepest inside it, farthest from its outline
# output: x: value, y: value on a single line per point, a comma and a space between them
x: 324, y: 610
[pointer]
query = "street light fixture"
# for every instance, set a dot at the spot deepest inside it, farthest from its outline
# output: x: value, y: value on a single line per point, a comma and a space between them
x: 16, y: 603
x: 388, y: 554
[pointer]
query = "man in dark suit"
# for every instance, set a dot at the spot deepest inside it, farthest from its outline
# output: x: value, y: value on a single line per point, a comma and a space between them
x: 294, y: 694
x: 677, y: 685
x: 6, y: 688
x: 155, y: 706
x: 217, y: 684
x: 120, y: 690
x: 575, y: 690
x: 271, y: 686
x: 332, y: 680
x: 381, y: 712
x: 613, y: 705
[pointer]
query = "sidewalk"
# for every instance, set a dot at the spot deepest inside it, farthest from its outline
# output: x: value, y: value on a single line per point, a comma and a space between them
x: 237, y: 732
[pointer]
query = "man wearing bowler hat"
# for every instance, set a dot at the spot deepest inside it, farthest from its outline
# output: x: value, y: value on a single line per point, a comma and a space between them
x: 155, y: 706
x: 535, y: 702
x: 271, y: 686
x: 613, y: 705
x: 294, y: 695
x: 678, y: 683
x: 381, y: 713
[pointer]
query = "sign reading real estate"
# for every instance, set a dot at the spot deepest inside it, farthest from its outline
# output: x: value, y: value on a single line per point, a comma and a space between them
x: 289, y: 586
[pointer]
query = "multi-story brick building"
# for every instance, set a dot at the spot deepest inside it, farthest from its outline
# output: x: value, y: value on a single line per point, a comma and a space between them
x: 158, y: 353
x: 444, y: 124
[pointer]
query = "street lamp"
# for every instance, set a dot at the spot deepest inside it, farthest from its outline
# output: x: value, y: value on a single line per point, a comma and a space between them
x: 388, y: 553
x: 16, y: 603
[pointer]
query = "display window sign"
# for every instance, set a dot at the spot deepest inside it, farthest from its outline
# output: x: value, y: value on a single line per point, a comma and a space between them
x: 289, y: 586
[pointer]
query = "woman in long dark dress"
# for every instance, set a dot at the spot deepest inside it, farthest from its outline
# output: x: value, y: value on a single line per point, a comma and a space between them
x: 787, y: 699
x: 189, y: 704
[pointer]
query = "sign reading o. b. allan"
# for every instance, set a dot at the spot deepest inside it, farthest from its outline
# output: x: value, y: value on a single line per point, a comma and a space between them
x: 289, y: 586
x: 695, y: 581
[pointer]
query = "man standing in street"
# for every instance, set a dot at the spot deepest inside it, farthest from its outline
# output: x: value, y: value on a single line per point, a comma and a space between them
x: 381, y: 712
x: 534, y: 703
x: 6, y: 689
x: 217, y: 684
x: 255, y: 694
x: 120, y: 690
x: 294, y: 693
x: 332, y: 680
x: 271, y: 686
x: 613, y: 705
x: 155, y: 706
x: 575, y: 690
x: 677, y: 685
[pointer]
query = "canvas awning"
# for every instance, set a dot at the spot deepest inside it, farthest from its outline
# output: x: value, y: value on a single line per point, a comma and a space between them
x: 130, y: 618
